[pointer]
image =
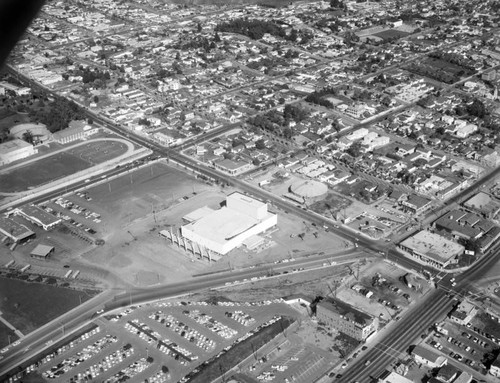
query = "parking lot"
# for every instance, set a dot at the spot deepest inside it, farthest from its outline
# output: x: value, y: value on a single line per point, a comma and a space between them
x: 469, y: 344
x: 164, y: 341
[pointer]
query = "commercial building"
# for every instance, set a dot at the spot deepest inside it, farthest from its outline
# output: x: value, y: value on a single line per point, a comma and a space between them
x: 428, y: 357
x: 233, y: 168
x: 346, y: 318
x: 37, y: 216
x: 432, y: 249
x: 14, y: 150
x: 227, y: 228
x: 463, y: 313
x: 14, y: 231
x: 416, y: 204
x: 469, y: 226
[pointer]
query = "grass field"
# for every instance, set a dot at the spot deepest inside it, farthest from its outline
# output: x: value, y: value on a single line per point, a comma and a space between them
x: 6, y: 334
x: 391, y: 34
x: 60, y: 165
x: 27, y: 306
x: 41, y: 172
x: 98, y: 152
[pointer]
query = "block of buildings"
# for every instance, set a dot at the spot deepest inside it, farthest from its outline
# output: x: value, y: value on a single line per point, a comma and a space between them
x: 432, y: 249
x: 227, y: 228
x: 346, y: 318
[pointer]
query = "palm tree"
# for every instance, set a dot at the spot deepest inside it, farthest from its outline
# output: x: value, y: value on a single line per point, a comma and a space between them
x: 28, y: 136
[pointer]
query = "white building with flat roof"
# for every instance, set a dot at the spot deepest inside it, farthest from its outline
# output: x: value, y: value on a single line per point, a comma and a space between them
x: 432, y: 249
x: 14, y: 150
x: 227, y: 228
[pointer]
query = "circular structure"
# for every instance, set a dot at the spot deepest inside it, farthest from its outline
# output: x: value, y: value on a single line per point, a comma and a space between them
x: 309, y: 189
x: 39, y: 131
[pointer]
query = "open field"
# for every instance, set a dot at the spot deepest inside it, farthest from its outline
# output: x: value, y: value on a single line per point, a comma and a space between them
x: 9, y: 119
x: 391, y: 34
x: 43, y: 171
x: 99, y: 152
x: 135, y: 207
x: 27, y: 306
x: 59, y: 165
x: 6, y: 334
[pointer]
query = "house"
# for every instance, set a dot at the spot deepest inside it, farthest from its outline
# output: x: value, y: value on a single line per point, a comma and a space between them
x: 428, y: 357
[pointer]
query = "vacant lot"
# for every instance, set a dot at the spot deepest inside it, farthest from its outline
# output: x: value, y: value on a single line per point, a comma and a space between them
x: 27, y: 306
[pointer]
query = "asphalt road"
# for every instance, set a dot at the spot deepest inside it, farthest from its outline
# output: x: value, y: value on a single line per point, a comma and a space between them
x: 432, y: 308
x: 34, y: 342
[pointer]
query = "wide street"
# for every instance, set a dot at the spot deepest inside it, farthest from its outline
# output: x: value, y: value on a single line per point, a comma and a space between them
x: 408, y: 329
x: 405, y: 331
x: 81, y: 315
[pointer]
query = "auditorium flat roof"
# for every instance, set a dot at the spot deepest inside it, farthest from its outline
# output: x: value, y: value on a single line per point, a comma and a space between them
x: 223, y: 224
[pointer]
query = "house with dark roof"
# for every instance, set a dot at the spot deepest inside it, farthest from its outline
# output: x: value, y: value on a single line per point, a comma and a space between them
x: 346, y: 318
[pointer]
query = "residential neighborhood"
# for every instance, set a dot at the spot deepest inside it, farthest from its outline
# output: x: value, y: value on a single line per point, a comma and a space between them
x: 288, y: 191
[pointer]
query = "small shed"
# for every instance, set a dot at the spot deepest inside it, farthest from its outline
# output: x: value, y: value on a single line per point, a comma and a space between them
x: 42, y: 251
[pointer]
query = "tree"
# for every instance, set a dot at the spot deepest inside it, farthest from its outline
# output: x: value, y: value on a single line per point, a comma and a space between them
x: 355, y: 149
x: 477, y: 108
x: 260, y: 144
x: 96, y: 99
x: 28, y: 136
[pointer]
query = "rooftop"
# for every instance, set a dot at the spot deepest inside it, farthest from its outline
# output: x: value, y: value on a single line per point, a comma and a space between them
x: 347, y: 311
x: 39, y: 214
x: 222, y: 225
x: 433, y: 246
x: 13, y: 145
x: 14, y: 229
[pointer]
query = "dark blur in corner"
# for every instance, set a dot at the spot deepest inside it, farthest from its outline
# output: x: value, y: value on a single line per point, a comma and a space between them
x: 15, y: 17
